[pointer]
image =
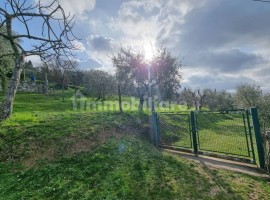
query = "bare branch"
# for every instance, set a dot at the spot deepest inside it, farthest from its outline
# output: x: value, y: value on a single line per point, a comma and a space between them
x: 52, y: 41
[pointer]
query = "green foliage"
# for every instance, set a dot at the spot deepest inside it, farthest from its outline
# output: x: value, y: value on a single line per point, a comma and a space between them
x: 99, y: 84
x: 248, y: 95
x: 251, y: 95
x: 264, y: 111
x: 219, y: 100
x: 166, y: 73
x: 132, y: 70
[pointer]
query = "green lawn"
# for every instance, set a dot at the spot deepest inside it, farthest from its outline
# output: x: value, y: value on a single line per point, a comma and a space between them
x: 50, y: 151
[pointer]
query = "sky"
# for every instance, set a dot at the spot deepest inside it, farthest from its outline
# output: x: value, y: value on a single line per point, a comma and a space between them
x: 221, y: 43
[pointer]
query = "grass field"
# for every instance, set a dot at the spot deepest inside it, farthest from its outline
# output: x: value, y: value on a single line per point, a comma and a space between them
x: 50, y: 151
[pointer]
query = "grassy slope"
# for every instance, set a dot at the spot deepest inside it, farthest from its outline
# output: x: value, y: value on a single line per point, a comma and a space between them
x: 49, y: 151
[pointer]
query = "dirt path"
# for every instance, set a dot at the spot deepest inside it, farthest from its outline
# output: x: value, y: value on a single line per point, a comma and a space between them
x: 217, y: 163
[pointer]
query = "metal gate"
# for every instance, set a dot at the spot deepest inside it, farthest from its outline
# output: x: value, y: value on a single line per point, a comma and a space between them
x: 228, y: 133
x: 175, y: 129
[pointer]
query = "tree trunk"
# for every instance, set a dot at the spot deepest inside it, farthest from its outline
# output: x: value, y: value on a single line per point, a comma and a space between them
x: 119, y: 98
x: 75, y: 93
x: 7, y: 105
x: 103, y: 94
x: 46, y: 83
x: 63, y: 89
x: 141, y: 101
x: 24, y: 73
x: 196, y: 105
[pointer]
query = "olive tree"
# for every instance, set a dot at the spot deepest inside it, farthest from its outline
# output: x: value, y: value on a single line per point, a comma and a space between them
x: 195, y: 97
x: 133, y: 69
x: 248, y: 95
x: 220, y: 100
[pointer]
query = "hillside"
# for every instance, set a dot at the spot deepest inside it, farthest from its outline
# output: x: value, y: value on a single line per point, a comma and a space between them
x: 49, y: 151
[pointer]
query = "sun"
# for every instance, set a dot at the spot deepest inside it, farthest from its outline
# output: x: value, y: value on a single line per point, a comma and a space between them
x: 148, y: 51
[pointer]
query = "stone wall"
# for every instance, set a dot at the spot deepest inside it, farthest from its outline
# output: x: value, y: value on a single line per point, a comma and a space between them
x: 30, y: 86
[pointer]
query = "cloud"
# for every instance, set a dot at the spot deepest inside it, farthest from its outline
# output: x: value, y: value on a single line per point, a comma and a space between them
x: 89, y: 64
x: 79, y: 45
x: 79, y: 8
x: 226, y: 61
x: 222, y: 24
x: 36, y: 61
x: 100, y: 49
x: 220, y: 39
x: 221, y: 82
x: 100, y: 43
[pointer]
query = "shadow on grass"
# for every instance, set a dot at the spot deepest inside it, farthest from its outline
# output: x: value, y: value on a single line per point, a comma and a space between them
x: 18, y: 137
x: 221, y: 123
x: 174, y: 128
x: 140, y: 172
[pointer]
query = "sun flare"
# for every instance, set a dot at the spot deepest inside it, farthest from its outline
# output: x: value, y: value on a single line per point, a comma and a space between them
x: 148, y: 51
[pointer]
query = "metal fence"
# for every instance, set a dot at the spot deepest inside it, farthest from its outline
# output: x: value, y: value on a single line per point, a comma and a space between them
x: 175, y: 130
x: 230, y: 133
x: 225, y: 133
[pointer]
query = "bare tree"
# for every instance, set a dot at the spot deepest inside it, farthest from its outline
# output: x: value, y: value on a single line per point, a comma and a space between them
x: 75, y: 79
x: 98, y: 84
x: 201, y: 94
x: 54, y: 41
x: 194, y: 97
x: 188, y: 96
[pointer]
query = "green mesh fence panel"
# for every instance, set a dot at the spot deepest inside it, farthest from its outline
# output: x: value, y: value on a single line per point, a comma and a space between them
x: 175, y: 130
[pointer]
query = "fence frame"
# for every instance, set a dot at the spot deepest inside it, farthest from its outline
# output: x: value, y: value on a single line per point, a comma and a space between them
x: 258, y: 136
x: 247, y: 128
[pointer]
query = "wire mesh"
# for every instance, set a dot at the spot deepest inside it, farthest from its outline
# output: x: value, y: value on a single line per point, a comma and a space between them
x: 175, y: 130
x: 225, y: 133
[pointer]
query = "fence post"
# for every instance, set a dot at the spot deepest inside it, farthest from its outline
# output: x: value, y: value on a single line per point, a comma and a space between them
x: 155, y: 128
x: 250, y: 136
x: 158, y: 131
x: 258, y: 136
x: 194, y: 132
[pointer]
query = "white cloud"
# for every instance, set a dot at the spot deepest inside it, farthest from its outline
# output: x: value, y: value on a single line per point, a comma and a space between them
x: 36, y: 61
x: 79, y: 45
x: 100, y: 49
x: 78, y: 7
